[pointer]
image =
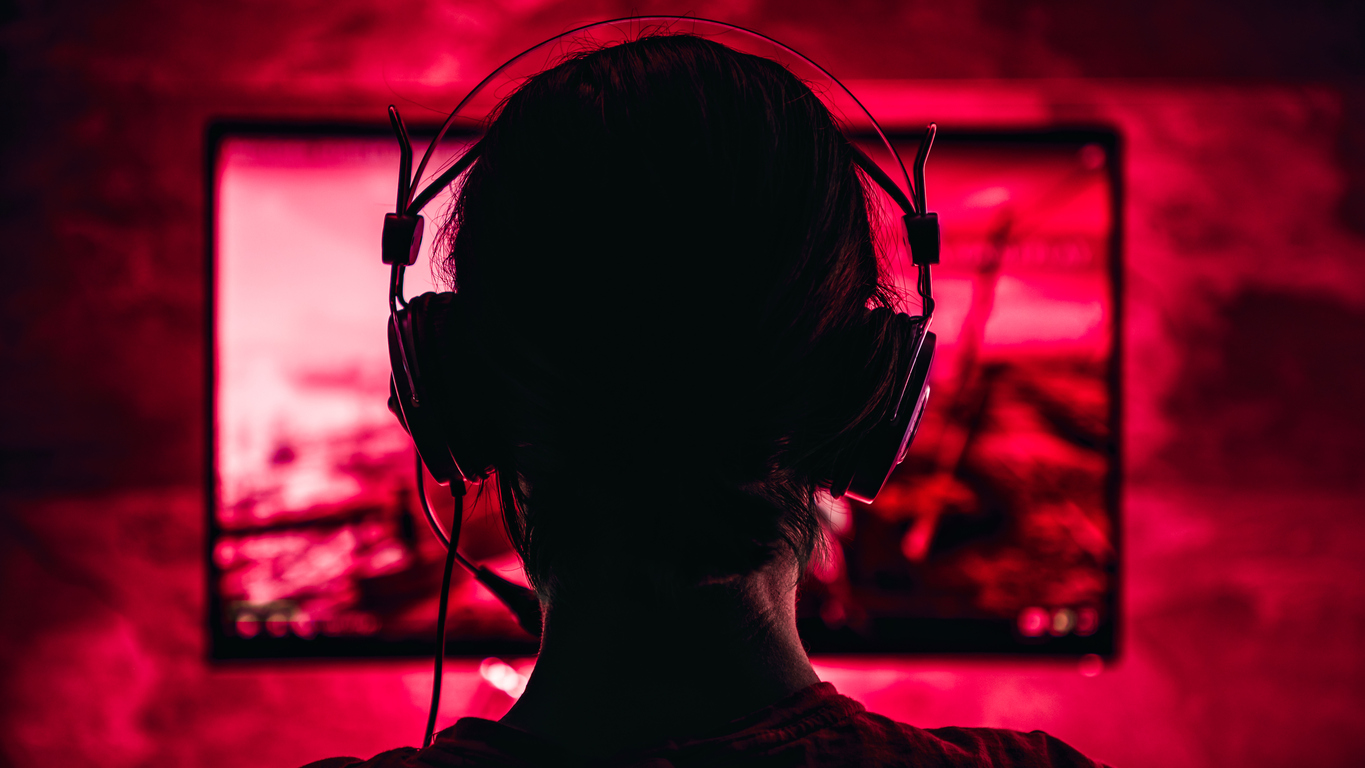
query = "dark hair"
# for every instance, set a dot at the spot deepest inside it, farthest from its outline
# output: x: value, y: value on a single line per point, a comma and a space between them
x: 668, y: 263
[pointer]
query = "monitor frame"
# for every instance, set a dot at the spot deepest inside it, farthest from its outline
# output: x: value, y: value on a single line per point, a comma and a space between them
x: 900, y: 637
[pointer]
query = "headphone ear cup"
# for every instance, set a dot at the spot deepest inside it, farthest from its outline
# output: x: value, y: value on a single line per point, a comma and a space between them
x: 409, y: 396
x: 878, y: 454
x: 428, y: 394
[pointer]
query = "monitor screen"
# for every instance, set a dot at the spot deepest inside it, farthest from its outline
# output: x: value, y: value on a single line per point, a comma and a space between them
x: 997, y: 534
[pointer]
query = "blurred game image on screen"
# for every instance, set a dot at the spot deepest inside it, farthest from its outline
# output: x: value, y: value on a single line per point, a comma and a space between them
x: 996, y: 534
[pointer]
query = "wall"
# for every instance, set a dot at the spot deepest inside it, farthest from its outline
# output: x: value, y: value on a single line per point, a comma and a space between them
x: 1244, y: 523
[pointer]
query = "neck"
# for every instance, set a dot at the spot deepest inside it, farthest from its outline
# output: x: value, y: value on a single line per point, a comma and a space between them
x: 620, y: 674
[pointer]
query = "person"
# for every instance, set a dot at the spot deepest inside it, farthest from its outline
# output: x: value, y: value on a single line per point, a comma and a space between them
x: 675, y: 322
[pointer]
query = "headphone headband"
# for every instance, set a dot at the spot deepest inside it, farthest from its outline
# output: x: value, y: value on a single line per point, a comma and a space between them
x: 478, y: 107
x: 402, y: 229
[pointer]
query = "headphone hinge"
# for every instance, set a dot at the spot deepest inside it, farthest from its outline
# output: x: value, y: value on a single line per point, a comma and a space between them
x: 402, y: 238
x: 921, y: 230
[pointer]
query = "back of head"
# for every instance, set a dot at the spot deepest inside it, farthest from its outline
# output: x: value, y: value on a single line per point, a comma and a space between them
x: 667, y: 260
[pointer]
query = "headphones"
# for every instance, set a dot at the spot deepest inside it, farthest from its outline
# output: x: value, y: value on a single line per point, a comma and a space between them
x: 435, y: 406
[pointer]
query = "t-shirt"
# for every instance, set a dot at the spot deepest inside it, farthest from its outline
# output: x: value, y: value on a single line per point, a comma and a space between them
x: 813, y: 728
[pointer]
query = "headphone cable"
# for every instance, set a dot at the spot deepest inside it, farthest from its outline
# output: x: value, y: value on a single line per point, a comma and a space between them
x: 522, y: 602
x: 441, y: 630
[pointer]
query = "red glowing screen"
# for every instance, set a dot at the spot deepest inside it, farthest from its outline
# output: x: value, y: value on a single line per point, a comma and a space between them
x: 996, y: 535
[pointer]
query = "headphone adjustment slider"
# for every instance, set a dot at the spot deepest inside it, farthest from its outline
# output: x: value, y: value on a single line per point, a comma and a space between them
x: 921, y: 230
x: 402, y: 238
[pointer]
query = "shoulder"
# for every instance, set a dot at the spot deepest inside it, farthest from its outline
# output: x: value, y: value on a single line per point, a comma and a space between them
x: 404, y: 757
x: 820, y: 728
x: 471, y: 743
x: 395, y: 757
x: 966, y: 747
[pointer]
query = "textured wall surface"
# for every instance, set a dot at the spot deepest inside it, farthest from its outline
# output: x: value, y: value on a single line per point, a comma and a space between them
x: 1244, y: 532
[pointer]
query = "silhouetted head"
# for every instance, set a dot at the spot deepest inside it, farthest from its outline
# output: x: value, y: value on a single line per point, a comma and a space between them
x: 667, y: 256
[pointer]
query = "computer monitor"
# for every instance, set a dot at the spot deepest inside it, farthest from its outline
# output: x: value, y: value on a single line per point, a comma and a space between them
x: 998, y: 534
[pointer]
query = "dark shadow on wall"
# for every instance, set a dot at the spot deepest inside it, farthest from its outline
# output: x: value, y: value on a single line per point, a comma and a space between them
x: 1272, y: 396
x: 1351, y: 156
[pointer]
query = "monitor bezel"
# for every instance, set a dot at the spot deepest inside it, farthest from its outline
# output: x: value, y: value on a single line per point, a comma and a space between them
x: 920, y: 637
